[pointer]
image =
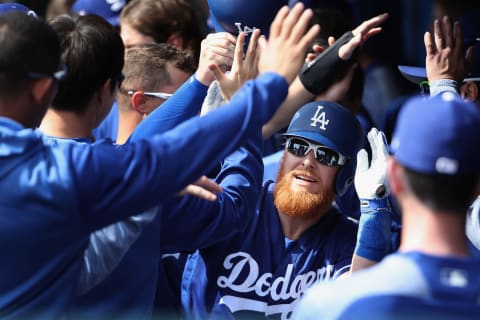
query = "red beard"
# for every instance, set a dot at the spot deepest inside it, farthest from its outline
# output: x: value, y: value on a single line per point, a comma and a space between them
x: 300, y: 203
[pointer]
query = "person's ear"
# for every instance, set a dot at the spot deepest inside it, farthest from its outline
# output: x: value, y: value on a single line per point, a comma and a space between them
x: 175, y: 40
x: 139, y: 102
x: 43, y: 91
x: 394, y: 174
x: 469, y: 91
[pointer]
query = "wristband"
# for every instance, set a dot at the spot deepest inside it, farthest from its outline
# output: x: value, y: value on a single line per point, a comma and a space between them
x: 443, y: 85
x: 319, y: 74
x: 374, y: 230
x: 372, y: 205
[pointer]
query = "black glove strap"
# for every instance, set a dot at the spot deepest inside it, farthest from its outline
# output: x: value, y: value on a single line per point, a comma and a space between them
x: 319, y: 74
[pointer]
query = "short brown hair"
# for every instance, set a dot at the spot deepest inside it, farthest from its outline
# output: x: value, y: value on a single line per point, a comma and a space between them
x: 161, y: 19
x: 145, y: 66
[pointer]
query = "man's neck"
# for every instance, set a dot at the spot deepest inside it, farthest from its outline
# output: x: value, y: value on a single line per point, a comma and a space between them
x: 294, y: 227
x: 66, y: 124
x: 434, y: 233
x: 23, y: 113
x: 127, y: 122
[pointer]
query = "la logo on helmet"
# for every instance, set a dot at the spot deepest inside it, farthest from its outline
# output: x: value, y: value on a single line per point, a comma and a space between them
x: 320, y: 117
x: 246, y: 29
x: 116, y: 5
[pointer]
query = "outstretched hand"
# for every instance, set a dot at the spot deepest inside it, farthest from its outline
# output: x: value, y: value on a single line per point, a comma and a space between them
x: 285, y: 50
x: 445, y: 57
x: 364, y: 31
x: 370, y: 181
x: 242, y: 70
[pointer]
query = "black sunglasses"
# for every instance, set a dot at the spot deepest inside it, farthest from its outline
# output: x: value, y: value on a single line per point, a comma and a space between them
x: 326, y: 156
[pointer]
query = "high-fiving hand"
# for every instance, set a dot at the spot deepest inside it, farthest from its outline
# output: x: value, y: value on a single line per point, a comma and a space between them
x: 446, y: 58
x: 243, y: 68
x: 370, y: 181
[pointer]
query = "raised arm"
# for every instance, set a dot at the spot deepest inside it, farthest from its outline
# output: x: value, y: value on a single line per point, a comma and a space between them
x: 244, y: 67
x: 148, y: 172
x: 186, y: 102
x: 446, y: 61
x: 320, y: 70
x: 374, y: 231
x: 204, y: 223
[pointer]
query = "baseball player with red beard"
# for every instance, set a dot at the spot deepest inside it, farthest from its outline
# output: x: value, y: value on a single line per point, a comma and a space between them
x: 295, y: 238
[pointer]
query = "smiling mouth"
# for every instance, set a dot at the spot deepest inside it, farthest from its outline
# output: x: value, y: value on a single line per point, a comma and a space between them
x: 304, y: 178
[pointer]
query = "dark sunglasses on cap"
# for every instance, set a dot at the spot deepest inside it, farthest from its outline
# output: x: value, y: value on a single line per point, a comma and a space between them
x: 326, y: 156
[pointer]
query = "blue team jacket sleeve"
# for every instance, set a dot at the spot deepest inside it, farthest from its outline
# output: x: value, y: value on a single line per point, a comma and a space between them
x: 201, y: 223
x: 184, y: 104
x: 108, y: 246
x: 114, y: 182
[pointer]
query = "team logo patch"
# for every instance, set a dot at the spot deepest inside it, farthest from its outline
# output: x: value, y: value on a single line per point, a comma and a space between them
x: 320, y: 117
x: 116, y: 5
x: 245, y: 29
x: 454, y: 277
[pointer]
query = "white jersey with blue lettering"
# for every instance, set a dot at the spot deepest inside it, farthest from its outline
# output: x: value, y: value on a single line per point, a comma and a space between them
x: 409, y: 285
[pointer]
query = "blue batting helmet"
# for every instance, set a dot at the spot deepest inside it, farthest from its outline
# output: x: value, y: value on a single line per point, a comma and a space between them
x: 243, y: 15
x: 108, y: 9
x: 329, y: 124
x: 12, y: 6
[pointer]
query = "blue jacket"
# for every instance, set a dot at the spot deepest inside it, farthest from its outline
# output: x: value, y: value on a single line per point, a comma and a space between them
x: 128, y: 293
x: 55, y: 194
x: 111, y: 284
x: 408, y: 285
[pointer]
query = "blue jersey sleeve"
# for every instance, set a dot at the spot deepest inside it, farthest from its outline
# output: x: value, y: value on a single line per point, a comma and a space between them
x: 114, y: 182
x: 184, y: 104
x: 108, y: 246
x: 201, y: 223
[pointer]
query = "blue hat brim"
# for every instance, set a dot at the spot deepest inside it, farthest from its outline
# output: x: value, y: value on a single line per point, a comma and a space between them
x: 413, y: 74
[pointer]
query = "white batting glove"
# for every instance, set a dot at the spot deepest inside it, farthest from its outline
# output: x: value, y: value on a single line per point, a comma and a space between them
x: 370, y: 182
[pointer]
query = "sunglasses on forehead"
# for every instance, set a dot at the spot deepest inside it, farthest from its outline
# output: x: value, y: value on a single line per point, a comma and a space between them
x: 326, y: 156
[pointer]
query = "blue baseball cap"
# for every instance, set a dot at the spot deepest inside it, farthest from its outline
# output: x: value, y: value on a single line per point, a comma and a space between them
x: 108, y: 9
x: 329, y: 124
x: 12, y: 6
x: 438, y: 135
